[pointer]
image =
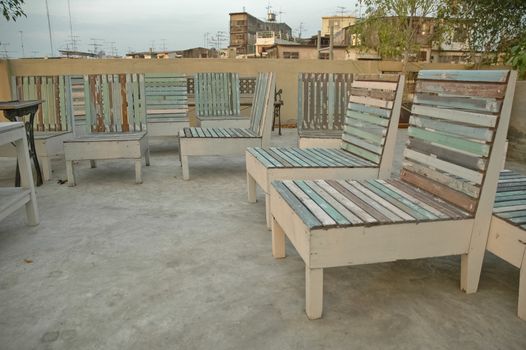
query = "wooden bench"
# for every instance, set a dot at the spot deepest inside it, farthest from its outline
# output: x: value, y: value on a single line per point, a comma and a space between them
x: 322, y: 104
x: 166, y: 103
x: 507, y: 235
x: 441, y: 205
x: 232, y: 141
x: 217, y: 100
x: 13, y: 198
x: 366, y: 145
x: 115, y: 119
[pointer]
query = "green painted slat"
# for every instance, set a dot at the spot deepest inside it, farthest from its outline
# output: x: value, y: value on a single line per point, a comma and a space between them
x: 475, y: 148
x: 324, y: 157
x: 483, y: 134
x: 521, y: 195
x: 512, y: 214
x: 263, y: 156
x: 386, y: 113
x: 509, y: 203
x: 292, y: 160
x: 464, y: 102
x: 360, y: 152
x: 346, y: 158
x: 306, y: 216
x: 365, y: 117
x: 416, y: 211
x: 465, y: 75
x: 329, y: 209
x: 311, y: 160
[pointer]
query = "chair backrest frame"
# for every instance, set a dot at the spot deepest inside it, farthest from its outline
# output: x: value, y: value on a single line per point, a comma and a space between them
x: 166, y: 96
x: 217, y: 94
x: 263, y: 106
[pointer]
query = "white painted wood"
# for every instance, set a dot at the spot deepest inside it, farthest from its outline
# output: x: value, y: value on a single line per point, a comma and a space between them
x: 45, y: 164
x: 278, y: 241
x: 105, y: 147
x: 166, y: 128
x: 371, y: 101
x: 241, y: 122
x: 313, y: 293
x: 251, y: 189
x: 14, y: 198
x: 313, y: 142
x: 184, y: 166
x: 471, y: 263
x: 504, y: 240
x: 522, y: 290
x: 138, y: 171
x: 374, y: 85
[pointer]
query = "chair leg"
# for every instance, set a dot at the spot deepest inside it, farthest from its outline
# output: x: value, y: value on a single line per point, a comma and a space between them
x: 278, y: 241
x: 251, y: 188
x: 46, y: 167
x: 522, y: 290
x: 268, y: 214
x: 92, y: 164
x: 147, y: 156
x: 184, y: 165
x: 26, y: 180
x: 70, y: 171
x: 470, y: 269
x: 313, y: 292
x: 138, y: 171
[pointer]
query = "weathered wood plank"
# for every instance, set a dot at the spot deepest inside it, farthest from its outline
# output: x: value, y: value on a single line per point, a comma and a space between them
x: 476, y: 148
x: 486, y: 120
x: 314, y: 208
x: 499, y: 76
x: 299, y: 208
x: 483, y: 134
x: 490, y: 90
x: 371, y: 101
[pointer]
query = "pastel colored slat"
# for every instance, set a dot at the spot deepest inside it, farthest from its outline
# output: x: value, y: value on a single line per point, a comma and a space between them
x: 486, y: 120
x: 499, y: 76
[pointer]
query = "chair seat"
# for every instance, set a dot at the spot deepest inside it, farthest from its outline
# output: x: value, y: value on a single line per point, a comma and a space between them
x: 102, y: 137
x: 221, y: 117
x: 218, y: 133
x: 323, y: 204
x: 510, y: 202
x: 321, y: 134
x: 287, y: 157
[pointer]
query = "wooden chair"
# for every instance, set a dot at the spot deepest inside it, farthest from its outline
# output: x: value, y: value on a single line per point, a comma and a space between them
x: 367, y: 144
x: 507, y: 234
x: 232, y: 141
x: 115, y: 123
x: 322, y: 104
x: 441, y: 205
x: 166, y: 103
x: 217, y: 100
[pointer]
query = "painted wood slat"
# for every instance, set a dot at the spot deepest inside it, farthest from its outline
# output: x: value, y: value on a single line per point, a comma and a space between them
x: 371, y: 102
x: 322, y: 203
x: 372, y: 135
x: 360, y: 152
x: 445, y: 179
x: 375, y: 201
x: 406, y: 202
x: 504, y: 209
x: 311, y: 159
x: 346, y: 213
x: 382, y: 199
x: 433, y: 162
x: 385, y: 113
x: 447, y: 154
x: 467, y: 103
x: 485, y: 120
x: 457, y: 198
x: 265, y: 157
x: 431, y: 203
x: 499, y: 76
x: 350, y: 205
x: 366, y: 117
x: 348, y: 158
x: 314, y: 208
x: 282, y: 160
x: 374, y: 85
x: 489, y: 90
x: 377, y: 77
x: 362, y: 143
x: 475, y: 148
x: 510, y: 203
x: 330, y: 158
x: 299, y: 208
x: 483, y: 134
x: 290, y: 158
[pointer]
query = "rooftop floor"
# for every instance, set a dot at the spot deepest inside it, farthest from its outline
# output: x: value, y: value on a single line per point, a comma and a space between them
x: 173, y: 264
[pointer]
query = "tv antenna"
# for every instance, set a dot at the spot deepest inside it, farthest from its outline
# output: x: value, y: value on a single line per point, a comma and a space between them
x: 341, y: 10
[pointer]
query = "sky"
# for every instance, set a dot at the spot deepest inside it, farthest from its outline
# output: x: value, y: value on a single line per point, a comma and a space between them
x: 136, y: 25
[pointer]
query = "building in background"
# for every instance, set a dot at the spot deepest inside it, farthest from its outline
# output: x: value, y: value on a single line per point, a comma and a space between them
x: 244, y: 28
x: 339, y: 22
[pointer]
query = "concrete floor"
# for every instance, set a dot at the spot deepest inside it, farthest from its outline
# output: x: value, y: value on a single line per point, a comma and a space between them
x: 173, y: 264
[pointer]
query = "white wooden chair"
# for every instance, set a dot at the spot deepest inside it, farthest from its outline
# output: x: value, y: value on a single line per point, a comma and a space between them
x: 217, y: 100
x: 441, y: 205
x: 232, y: 141
x: 507, y: 234
x: 367, y: 142
x: 115, y: 121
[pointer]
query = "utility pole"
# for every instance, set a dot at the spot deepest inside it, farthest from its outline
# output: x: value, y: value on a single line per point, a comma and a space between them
x: 49, y: 29
x: 205, y: 40
x: 164, y: 44
x: 73, y: 44
x: 341, y: 9
x: 22, y: 42
x: 301, y: 29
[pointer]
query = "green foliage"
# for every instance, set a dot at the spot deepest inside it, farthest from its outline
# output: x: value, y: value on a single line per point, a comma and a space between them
x: 490, y: 26
x: 393, y: 28
x: 12, y: 9
x: 518, y: 59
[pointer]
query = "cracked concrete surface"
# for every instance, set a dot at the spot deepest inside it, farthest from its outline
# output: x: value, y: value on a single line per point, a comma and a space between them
x: 173, y: 264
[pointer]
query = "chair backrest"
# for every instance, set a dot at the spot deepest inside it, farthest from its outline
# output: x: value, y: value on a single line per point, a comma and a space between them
x: 263, y: 104
x: 322, y: 100
x: 216, y: 94
x: 114, y: 102
x: 371, y: 121
x: 166, y: 96
x: 457, y: 132
x: 54, y: 113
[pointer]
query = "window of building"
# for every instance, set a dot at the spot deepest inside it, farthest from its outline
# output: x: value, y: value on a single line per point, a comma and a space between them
x: 324, y: 55
x: 291, y: 55
x: 241, y: 23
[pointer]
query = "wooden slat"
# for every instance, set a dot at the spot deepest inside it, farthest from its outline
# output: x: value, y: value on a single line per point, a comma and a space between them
x: 374, y: 85
x: 486, y: 120
x: 476, y: 148
x: 321, y: 202
x: 377, y: 77
x: 483, y: 134
x: 308, y: 218
x: 333, y: 189
x: 468, y: 103
x: 491, y: 90
x: 313, y: 207
x: 371, y: 101
x: 499, y: 76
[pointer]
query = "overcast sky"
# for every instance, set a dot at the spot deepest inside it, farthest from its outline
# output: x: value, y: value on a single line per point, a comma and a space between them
x: 135, y: 24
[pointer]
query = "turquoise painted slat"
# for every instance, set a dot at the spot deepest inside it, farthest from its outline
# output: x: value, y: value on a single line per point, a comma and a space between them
x: 326, y: 206
x: 471, y: 103
x: 307, y: 217
x: 469, y: 132
x: 475, y: 148
x: 465, y: 75
x: 386, y: 113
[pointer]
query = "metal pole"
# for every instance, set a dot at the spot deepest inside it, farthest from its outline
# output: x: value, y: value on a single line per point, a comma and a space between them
x: 318, y: 44
x: 73, y: 44
x: 331, y: 43
x: 49, y: 29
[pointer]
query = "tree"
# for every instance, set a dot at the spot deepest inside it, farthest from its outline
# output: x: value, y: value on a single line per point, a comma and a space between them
x: 393, y: 28
x: 12, y: 9
x: 491, y: 28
